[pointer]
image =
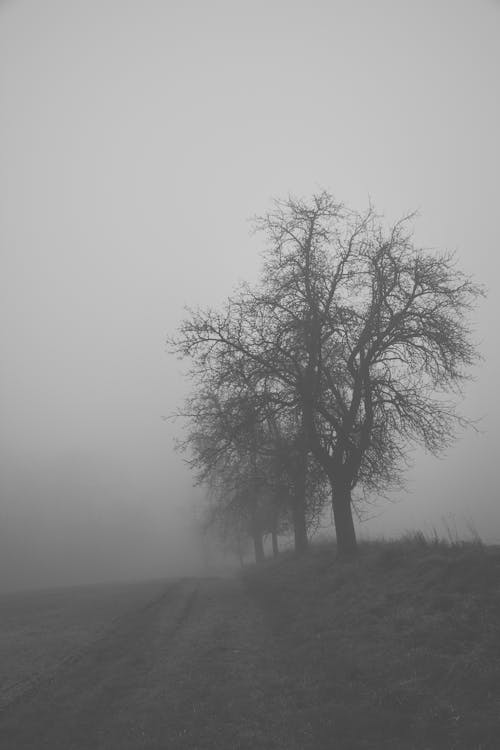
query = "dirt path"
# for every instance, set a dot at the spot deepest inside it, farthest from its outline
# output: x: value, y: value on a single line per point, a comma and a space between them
x: 192, y: 670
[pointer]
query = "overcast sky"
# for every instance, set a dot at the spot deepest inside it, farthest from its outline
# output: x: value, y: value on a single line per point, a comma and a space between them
x: 136, y: 139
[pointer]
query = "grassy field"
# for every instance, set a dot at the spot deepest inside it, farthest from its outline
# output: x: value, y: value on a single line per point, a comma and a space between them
x: 398, y: 649
x: 40, y: 629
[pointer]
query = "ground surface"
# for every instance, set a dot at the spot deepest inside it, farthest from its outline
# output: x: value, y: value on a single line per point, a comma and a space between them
x: 40, y: 630
x: 179, y: 672
x: 399, y: 650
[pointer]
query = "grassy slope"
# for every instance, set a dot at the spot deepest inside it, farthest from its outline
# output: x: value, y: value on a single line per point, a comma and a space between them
x: 398, y: 649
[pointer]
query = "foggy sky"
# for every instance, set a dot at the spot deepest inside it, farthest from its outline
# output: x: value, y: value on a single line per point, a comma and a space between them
x: 136, y: 139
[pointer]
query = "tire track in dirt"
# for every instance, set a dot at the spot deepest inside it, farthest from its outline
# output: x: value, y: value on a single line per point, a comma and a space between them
x: 88, y: 685
x: 23, y: 688
x: 194, y: 669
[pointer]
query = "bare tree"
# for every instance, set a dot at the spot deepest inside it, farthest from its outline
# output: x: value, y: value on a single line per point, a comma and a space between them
x: 357, y: 332
x: 222, y: 442
x: 250, y: 457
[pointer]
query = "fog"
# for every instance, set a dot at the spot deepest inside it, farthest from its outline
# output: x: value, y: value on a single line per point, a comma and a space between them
x: 136, y: 139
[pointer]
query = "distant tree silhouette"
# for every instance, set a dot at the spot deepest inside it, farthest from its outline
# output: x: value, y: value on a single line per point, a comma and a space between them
x: 246, y: 455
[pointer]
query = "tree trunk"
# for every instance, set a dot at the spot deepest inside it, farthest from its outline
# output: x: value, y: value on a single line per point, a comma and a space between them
x: 347, y: 545
x: 240, y: 552
x: 274, y: 537
x: 299, y: 508
x: 258, y: 546
x: 299, y: 499
x: 299, y: 526
x: 257, y: 536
